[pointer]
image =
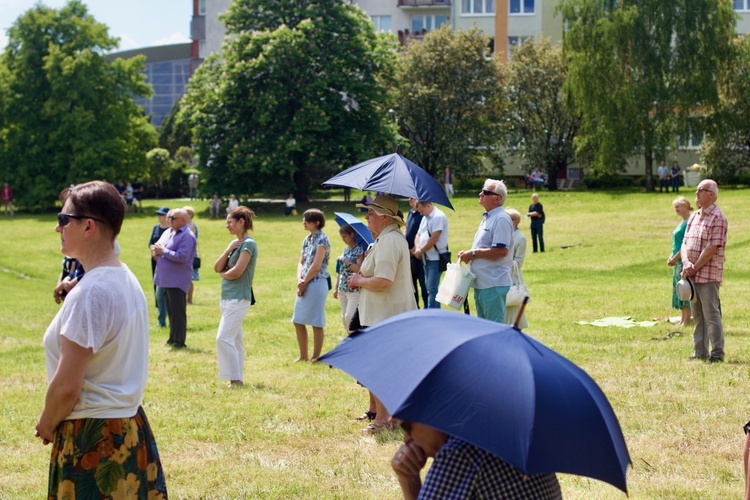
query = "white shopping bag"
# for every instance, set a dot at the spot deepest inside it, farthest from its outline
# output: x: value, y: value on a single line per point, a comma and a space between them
x: 455, y: 286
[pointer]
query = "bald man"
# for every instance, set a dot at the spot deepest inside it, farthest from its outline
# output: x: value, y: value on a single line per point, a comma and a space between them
x: 174, y: 253
x: 703, y: 262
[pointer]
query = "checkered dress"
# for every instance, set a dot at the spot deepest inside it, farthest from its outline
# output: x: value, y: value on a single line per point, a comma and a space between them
x: 461, y: 470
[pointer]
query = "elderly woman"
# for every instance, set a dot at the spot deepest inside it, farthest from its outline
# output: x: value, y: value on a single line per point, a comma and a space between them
x: 384, y: 280
x: 193, y: 229
x: 97, y: 362
x: 683, y: 208
x: 236, y: 266
x: 519, y: 253
x: 313, y: 283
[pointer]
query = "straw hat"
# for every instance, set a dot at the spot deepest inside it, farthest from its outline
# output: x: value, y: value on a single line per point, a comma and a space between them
x: 384, y: 205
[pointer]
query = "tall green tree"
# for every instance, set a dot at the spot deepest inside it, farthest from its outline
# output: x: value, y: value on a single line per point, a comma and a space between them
x: 449, y: 101
x: 299, y: 91
x: 541, y: 127
x: 638, y: 69
x: 69, y: 115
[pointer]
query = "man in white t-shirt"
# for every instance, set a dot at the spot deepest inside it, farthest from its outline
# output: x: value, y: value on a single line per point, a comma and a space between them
x: 431, y: 241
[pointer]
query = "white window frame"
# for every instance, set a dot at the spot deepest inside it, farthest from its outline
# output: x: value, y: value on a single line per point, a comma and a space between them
x: 377, y: 21
x: 521, y: 39
x: 202, y: 7
x: 485, y: 10
x: 522, y: 13
x: 693, y: 142
x: 745, y: 8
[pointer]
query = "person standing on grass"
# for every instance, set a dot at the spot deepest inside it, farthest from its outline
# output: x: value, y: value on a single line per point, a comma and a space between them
x: 682, y: 208
x: 97, y: 363
x: 536, y: 213
x: 156, y: 233
x: 491, y: 253
x: 196, y: 271
x: 413, y: 220
x: 236, y: 266
x: 174, y: 254
x: 349, y: 262
x: 448, y: 182
x: 663, y: 173
x: 431, y: 241
x: 703, y: 262
x: 313, y: 282
x: 675, y: 177
x: 6, y: 195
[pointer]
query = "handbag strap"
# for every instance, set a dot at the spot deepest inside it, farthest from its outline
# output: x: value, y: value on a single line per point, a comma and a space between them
x: 516, y: 272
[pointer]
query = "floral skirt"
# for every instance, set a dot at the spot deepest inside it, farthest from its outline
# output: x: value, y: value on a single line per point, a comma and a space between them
x: 104, y: 458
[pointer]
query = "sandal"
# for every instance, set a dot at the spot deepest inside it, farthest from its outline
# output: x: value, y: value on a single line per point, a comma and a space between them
x: 368, y: 415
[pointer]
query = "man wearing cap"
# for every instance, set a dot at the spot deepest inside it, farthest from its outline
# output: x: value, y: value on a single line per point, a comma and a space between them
x: 431, y: 241
x: 384, y: 279
x: 156, y: 233
x: 703, y: 262
x: 174, y: 254
x: 489, y: 256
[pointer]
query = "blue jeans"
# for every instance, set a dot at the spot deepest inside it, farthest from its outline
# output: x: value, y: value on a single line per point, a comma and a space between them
x: 490, y: 303
x: 432, y: 280
x: 162, y: 305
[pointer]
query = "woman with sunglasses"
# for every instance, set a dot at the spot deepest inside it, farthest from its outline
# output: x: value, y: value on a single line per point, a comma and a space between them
x: 236, y: 266
x: 97, y: 361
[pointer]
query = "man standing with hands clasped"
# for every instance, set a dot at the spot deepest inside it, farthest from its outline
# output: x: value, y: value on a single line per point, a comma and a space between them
x: 174, y: 254
x: 490, y: 254
x: 431, y: 241
x: 536, y: 212
x: 703, y: 262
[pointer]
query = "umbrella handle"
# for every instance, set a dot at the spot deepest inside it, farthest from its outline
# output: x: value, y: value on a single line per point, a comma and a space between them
x: 520, y: 312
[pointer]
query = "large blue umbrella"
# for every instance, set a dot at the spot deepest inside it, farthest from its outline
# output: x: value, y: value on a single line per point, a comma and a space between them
x: 491, y: 385
x: 361, y: 233
x: 392, y: 174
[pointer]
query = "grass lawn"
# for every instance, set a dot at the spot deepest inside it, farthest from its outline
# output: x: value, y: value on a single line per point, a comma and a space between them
x: 290, y: 433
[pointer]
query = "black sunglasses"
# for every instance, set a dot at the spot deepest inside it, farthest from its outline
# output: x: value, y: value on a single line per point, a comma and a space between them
x: 64, y: 219
x: 487, y: 192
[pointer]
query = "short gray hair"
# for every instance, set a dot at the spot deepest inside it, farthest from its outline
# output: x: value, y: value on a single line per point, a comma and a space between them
x: 497, y: 187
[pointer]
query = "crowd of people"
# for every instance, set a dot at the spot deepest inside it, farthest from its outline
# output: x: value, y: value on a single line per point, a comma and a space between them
x: 91, y: 357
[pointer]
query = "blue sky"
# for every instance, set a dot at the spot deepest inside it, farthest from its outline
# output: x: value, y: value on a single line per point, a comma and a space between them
x: 137, y: 23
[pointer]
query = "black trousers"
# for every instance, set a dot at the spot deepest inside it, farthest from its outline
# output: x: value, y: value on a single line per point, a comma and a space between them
x: 417, y: 276
x: 177, y: 311
x: 537, y: 233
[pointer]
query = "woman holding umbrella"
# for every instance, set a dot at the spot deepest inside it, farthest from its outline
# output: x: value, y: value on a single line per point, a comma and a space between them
x: 313, y: 283
x: 384, y: 279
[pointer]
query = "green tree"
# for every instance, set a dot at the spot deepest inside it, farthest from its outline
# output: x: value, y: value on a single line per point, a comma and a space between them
x: 298, y: 92
x: 449, y: 101
x: 638, y: 69
x: 541, y: 127
x: 69, y: 115
x: 725, y: 149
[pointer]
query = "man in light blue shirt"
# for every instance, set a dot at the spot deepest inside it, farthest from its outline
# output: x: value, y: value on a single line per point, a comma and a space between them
x: 490, y: 255
x: 431, y: 241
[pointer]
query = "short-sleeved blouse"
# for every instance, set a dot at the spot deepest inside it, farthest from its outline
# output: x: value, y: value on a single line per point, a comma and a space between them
x: 677, y: 236
x: 351, y: 255
x: 309, y: 247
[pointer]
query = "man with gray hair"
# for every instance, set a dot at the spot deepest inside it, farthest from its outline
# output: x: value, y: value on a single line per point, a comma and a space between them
x: 703, y: 262
x: 490, y: 255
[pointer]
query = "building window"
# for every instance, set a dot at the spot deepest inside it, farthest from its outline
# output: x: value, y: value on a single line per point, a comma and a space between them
x: 691, y: 141
x: 202, y: 7
x: 477, y: 7
x: 420, y: 25
x: 382, y: 23
x: 742, y: 5
x: 521, y: 6
x: 514, y: 42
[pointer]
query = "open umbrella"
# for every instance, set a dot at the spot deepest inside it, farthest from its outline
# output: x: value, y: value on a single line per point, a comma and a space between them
x: 361, y: 233
x: 490, y: 385
x: 392, y: 174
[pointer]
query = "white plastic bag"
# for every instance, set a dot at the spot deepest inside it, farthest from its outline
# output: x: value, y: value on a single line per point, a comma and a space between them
x: 518, y: 291
x: 455, y: 286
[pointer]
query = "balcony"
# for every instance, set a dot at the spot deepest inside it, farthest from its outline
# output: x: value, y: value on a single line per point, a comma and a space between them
x: 424, y: 3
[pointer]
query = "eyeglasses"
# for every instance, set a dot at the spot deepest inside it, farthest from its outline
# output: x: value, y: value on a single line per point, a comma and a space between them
x: 64, y: 219
x: 487, y: 192
x: 171, y: 217
x: 703, y: 189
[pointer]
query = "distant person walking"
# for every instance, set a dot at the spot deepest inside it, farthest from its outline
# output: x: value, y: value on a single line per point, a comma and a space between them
x: 703, y: 262
x: 236, y: 266
x: 6, y: 195
x: 193, y: 185
x: 536, y: 214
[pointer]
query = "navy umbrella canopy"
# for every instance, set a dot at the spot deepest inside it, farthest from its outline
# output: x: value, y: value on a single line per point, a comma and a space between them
x: 392, y: 174
x: 361, y: 232
x: 491, y: 385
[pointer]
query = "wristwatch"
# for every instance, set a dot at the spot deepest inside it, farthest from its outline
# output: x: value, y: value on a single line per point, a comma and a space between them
x: 473, y: 254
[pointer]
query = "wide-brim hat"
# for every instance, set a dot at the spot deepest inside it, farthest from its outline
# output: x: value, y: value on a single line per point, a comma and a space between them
x: 384, y: 205
x: 685, y: 289
x: 162, y: 211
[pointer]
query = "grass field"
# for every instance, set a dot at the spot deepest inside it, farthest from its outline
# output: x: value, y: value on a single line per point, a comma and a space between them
x: 289, y: 433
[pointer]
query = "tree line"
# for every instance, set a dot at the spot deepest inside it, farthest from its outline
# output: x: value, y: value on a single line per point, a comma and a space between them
x: 304, y: 88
